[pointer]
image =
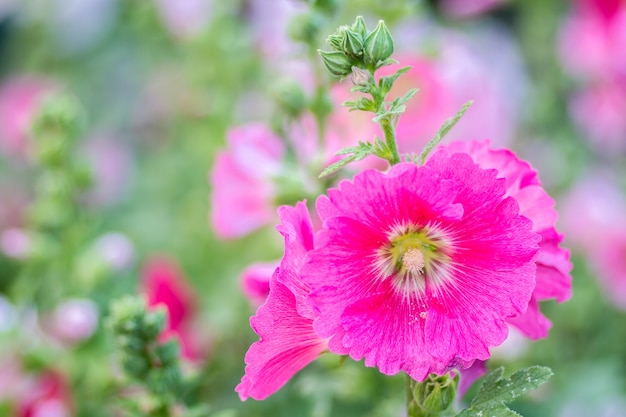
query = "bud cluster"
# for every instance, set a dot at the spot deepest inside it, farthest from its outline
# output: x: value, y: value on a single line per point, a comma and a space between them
x: 143, y: 358
x: 354, y: 46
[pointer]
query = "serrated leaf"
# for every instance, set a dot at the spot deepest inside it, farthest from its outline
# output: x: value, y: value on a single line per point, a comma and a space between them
x: 495, y: 391
x: 447, y: 125
x: 385, y: 83
x: 358, y: 152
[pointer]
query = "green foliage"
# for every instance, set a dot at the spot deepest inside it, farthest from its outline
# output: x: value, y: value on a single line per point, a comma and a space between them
x: 496, y: 392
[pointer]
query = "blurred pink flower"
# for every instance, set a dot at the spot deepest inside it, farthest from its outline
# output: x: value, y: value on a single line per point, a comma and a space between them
x: 469, y: 8
x: 111, y: 166
x: 592, y: 40
x: 185, y: 18
x: 48, y: 395
x: 19, y: 99
x: 592, y: 215
x: 15, y: 243
x: 165, y: 286
x: 598, y: 109
x: 243, y: 193
x: 255, y: 281
x: 73, y: 320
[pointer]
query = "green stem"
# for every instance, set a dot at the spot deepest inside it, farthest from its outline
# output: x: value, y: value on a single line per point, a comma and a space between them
x: 390, y: 140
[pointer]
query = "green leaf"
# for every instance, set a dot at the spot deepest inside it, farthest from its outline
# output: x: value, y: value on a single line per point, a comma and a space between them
x: 363, y: 103
x: 358, y: 152
x: 385, y: 83
x: 496, y: 392
x: 443, y: 131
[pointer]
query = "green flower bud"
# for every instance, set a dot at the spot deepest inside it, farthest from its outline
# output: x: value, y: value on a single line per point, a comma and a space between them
x: 336, y: 39
x: 337, y: 63
x: 436, y: 393
x: 305, y: 27
x: 291, y: 98
x: 352, y: 44
x: 378, y: 44
x: 359, y: 26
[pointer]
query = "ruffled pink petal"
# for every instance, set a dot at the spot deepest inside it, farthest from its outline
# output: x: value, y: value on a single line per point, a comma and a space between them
x: 490, y: 276
x: 287, y: 341
x: 471, y: 375
x: 297, y: 229
x: 287, y: 344
x: 532, y: 323
x: 522, y: 182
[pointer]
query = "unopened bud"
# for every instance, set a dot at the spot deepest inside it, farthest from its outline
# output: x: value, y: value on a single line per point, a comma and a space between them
x: 436, y: 393
x: 360, y: 76
x: 337, y: 63
x: 359, y: 26
x: 352, y: 44
x: 378, y: 45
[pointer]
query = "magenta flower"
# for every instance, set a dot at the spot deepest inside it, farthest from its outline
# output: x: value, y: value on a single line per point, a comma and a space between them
x: 164, y: 286
x: 418, y: 269
x: 19, y: 100
x: 287, y: 341
x: 255, y: 281
x: 243, y: 193
x: 553, y: 265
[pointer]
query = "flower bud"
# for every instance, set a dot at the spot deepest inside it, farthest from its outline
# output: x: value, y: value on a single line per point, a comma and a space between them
x: 359, y: 27
x: 337, y: 63
x: 336, y: 39
x: 378, y: 45
x: 352, y: 44
x: 436, y: 393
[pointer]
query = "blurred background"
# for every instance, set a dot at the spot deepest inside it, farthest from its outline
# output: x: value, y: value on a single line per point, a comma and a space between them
x: 145, y: 145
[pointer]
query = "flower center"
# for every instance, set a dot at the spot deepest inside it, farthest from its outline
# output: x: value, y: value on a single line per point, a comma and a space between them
x: 412, y: 256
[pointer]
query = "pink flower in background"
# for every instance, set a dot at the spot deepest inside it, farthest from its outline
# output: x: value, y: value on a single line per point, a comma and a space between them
x: 47, y: 395
x: 418, y: 269
x: 185, y: 18
x: 469, y: 8
x: 593, y: 217
x: 243, y: 194
x: 598, y: 110
x: 73, y: 320
x: 592, y: 44
x: 111, y: 166
x: 593, y: 39
x: 165, y: 286
x: 19, y: 100
x: 255, y: 281
x: 553, y: 266
x: 285, y: 322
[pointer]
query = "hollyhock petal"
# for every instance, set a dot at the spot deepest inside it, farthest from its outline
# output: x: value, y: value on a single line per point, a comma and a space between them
x: 471, y: 375
x: 522, y: 184
x: 287, y: 341
x: 532, y: 323
x: 448, y: 218
x: 287, y: 344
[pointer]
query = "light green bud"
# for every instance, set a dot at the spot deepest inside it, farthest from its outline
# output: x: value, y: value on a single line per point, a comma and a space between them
x: 337, y: 63
x: 378, y: 44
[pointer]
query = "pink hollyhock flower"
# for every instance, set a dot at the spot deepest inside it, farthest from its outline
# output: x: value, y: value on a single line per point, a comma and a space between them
x: 598, y: 110
x: 553, y: 266
x: 73, y: 320
x: 255, y: 281
x: 243, y: 194
x: 593, y: 39
x: 185, y: 18
x: 419, y: 269
x: 593, y: 217
x: 469, y: 8
x: 164, y: 286
x: 49, y: 395
x: 19, y: 100
x: 287, y: 341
